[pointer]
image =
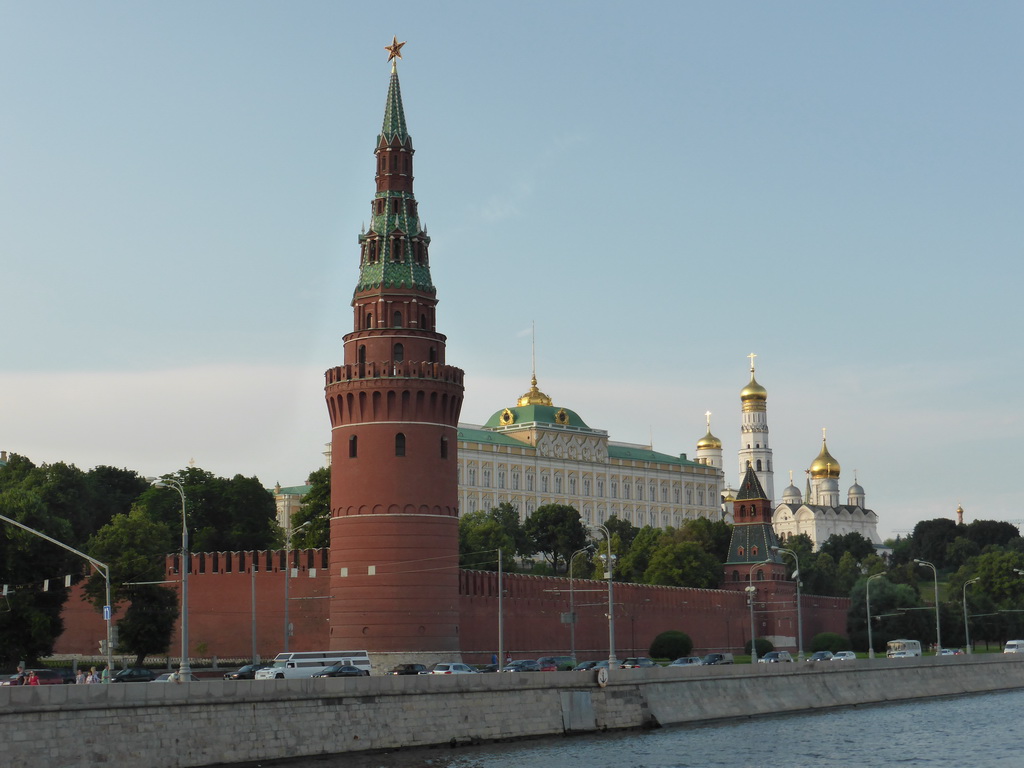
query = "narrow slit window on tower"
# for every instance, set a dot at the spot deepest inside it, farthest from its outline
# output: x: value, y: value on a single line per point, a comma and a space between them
x: 353, y: 447
x: 400, y: 444
x: 399, y: 353
x: 444, y: 447
x: 362, y: 348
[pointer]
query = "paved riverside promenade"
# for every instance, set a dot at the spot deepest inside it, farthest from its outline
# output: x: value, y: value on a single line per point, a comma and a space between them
x: 170, y: 726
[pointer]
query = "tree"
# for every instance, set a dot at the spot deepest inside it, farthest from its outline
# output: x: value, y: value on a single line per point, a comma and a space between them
x: 683, y: 564
x: 829, y: 641
x: 930, y: 539
x: 135, y: 546
x: 480, y: 538
x: 633, y: 564
x: 315, y: 510
x: 714, y: 536
x: 556, y: 531
x: 986, y: 533
x: 30, y: 619
x: 624, y: 529
x: 223, y: 515
x: 837, y: 545
x: 671, y: 645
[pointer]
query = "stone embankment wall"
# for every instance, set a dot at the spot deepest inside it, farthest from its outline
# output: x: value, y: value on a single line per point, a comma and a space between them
x: 172, y: 726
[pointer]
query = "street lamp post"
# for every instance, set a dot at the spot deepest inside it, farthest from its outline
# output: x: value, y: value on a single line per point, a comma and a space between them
x: 871, y: 647
x: 288, y: 574
x: 184, y: 671
x: 967, y: 629
x: 572, y: 601
x: 751, y: 591
x: 799, y: 613
x: 611, y: 600
x: 255, y: 557
x: 938, y: 631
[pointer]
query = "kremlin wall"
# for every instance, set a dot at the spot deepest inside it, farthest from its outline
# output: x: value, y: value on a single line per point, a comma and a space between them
x: 220, y: 614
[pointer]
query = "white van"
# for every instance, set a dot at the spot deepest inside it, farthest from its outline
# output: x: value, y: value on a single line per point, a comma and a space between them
x: 1014, y: 646
x: 309, y: 663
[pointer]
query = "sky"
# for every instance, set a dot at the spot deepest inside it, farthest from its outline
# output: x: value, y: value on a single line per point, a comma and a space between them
x: 662, y: 188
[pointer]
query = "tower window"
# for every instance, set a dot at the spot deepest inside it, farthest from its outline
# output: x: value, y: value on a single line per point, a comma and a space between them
x: 758, y: 465
x: 400, y: 444
x: 353, y: 447
x: 362, y: 350
x: 444, y: 447
x: 396, y: 320
x: 399, y: 353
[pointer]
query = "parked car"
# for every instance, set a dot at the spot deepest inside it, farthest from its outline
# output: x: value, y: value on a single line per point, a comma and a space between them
x: 11, y: 680
x: 844, y: 656
x: 134, y: 675
x: 558, y: 662
x: 446, y: 668
x: 637, y: 662
x: 522, y: 665
x: 487, y: 667
x: 583, y: 666
x: 773, y: 657
x: 408, y: 669
x: 687, y: 661
x: 175, y: 677
x: 67, y: 675
x: 342, y: 670
x: 1014, y: 646
x: 821, y: 656
x: 951, y: 652
x: 717, y: 658
x: 248, y: 672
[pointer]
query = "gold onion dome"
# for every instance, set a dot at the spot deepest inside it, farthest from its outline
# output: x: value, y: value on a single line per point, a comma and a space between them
x: 825, y: 465
x: 709, y: 441
x: 753, y: 390
x: 534, y: 396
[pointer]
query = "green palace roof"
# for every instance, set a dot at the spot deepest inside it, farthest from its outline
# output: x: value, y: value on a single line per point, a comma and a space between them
x: 535, y: 414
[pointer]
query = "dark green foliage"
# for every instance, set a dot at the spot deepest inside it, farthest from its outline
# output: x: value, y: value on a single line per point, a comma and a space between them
x: 671, y: 645
x: 315, y: 510
x: 830, y: 641
x: 147, y: 624
x: 853, y: 543
x: 223, y: 515
x: 683, y: 564
x: 29, y: 616
x: 135, y: 547
x: 624, y: 529
x: 763, y: 647
x: 555, y: 531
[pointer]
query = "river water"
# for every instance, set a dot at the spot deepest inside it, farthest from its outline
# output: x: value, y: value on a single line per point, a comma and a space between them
x: 981, y: 731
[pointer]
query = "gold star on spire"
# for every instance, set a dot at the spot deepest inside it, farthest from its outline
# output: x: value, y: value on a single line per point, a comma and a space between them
x: 395, y: 49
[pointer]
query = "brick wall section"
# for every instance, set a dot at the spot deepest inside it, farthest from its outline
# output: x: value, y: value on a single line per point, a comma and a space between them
x: 220, y: 619
x: 174, y: 726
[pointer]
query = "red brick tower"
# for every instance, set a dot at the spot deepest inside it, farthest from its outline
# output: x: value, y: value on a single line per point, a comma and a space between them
x: 394, y: 408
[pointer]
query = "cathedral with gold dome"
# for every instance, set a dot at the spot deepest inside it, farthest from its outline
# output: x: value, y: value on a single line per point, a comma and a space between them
x: 536, y: 452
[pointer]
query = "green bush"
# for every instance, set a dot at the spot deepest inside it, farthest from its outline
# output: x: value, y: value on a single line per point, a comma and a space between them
x: 671, y: 645
x: 763, y: 646
x: 830, y: 641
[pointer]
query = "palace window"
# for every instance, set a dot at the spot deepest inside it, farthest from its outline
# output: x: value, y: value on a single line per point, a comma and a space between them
x: 472, y: 476
x: 600, y: 489
x: 529, y: 481
x: 515, y: 481
x: 558, y: 483
x: 501, y: 478
x: 544, y: 482
x: 586, y: 486
x: 487, y: 478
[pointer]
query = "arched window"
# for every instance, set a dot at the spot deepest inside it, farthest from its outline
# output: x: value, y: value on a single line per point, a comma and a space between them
x: 400, y: 444
x: 760, y: 575
x: 362, y: 353
x: 369, y: 320
x: 423, y: 322
x: 399, y: 353
x: 353, y: 447
x: 433, y: 355
x: 758, y: 465
x: 735, y: 575
x: 396, y: 320
x: 444, y: 447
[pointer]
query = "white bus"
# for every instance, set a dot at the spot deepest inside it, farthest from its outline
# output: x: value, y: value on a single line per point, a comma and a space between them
x: 308, y: 663
x: 896, y: 649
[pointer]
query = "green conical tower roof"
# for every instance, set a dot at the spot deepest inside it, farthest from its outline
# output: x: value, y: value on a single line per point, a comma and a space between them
x: 394, y: 115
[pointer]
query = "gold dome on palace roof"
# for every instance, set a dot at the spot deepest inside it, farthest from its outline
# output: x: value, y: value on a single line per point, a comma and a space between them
x: 534, y: 396
x: 825, y: 465
x: 709, y: 441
